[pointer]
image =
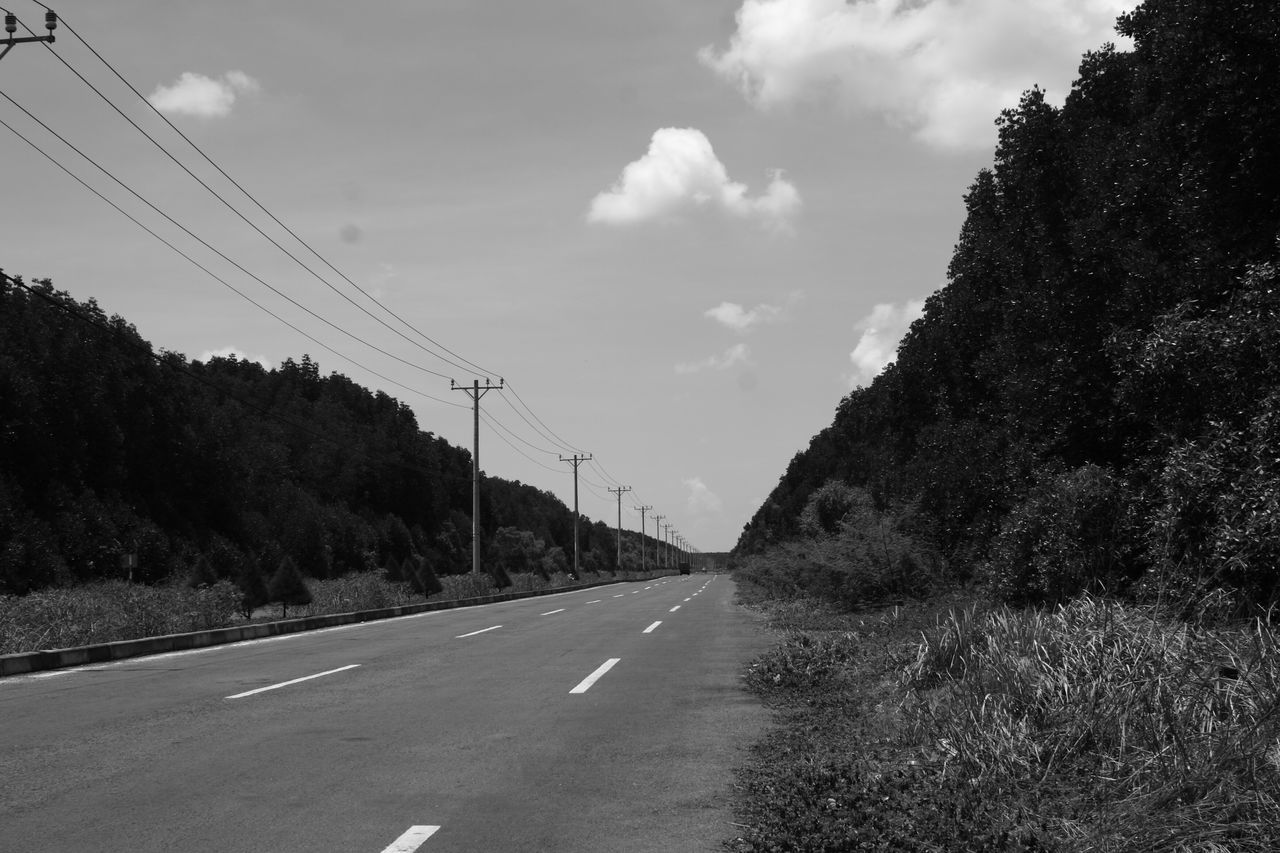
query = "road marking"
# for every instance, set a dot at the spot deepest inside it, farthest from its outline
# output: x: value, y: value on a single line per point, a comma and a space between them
x: 481, y: 631
x: 412, y: 839
x: 674, y: 609
x: 597, y: 601
x: 688, y: 599
x: 585, y: 684
x: 649, y: 630
x: 549, y: 612
x: 292, y: 681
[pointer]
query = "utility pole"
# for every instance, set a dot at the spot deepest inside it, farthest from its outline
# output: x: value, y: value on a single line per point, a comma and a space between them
x: 666, y: 541
x: 475, y: 392
x: 619, y: 492
x: 657, y: 540
x: 11, y: 27
x: 575, y: 460
x: 642, y: 510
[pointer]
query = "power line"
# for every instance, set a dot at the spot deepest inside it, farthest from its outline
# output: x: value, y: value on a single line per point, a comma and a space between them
x: 246, y: 219
x: 215, y: 250
x: 209, y: 272
x: 252, y: 198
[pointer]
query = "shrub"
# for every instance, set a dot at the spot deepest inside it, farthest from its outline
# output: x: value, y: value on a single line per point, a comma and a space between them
x: 801, y: 663
x: 1067, y: 536
x: 287, y: 586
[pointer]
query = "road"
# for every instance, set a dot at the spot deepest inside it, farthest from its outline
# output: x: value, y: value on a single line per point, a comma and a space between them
x: 605, y: 719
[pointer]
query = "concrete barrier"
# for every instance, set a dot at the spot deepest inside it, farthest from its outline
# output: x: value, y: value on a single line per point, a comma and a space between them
x: 25, y: 662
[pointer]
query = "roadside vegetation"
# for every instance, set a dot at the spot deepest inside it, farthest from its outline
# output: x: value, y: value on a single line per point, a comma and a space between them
x: 954, y: 724
x: 107, y: 611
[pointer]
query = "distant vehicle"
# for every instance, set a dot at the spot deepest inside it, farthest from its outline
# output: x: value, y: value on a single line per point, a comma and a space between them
x: 684, y: 568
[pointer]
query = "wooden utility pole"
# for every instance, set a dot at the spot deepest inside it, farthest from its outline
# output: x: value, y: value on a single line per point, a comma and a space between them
x: 657, y: 541
x: 619, y: 492
x: 575, y: 460
x: 475, y: 392
x: 642, y: 510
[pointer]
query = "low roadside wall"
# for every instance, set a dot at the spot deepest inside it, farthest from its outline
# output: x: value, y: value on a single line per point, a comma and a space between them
x: 24, y: 662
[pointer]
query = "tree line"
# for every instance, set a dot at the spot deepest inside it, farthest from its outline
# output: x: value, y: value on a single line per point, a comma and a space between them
x: 1092, y: 401
x: 109, y: 448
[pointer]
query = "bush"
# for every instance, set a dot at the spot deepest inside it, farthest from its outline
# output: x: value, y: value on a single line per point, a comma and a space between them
x: 287, y: 587
x: 1069, y: 535
x: 801, y: 663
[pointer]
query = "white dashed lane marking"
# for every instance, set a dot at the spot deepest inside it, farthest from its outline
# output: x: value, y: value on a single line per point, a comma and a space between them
x: 585, y: 684
x: 411, y: 840
x: 552, y: 612
x: 674, y: 609
x: 481, y: 631
x: 292, y: 681
x: 649, y: 630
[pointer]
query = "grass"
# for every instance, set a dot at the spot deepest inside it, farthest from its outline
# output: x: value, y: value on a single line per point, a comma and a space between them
x: 108, y: 611
x: 953, y: 725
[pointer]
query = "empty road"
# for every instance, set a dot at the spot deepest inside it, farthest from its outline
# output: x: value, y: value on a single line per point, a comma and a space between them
x: 600, y: 720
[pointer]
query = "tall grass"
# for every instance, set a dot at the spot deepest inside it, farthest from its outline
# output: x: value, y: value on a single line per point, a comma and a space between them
x: 107, y: 611
x: 1168, y: 733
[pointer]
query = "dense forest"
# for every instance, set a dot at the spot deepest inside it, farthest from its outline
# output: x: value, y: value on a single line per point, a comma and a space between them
x: 108, y: 448
x: 1092, y: 401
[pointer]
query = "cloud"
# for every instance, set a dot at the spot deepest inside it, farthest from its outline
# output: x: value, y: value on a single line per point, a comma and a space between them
x: 232, y: 352
x: 203, y: 97
x: 680, y: 172
x: 741, y: 320
x: 942, y: 68
x: 701, y: 500
x: 351, y: 233
x: 882, y: 330
x: 736, y: 354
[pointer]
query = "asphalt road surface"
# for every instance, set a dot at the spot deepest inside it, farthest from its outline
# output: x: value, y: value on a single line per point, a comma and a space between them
x: 606, y: 719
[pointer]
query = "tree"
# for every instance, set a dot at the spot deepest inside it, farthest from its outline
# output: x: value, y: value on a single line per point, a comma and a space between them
x: 253, y: 591
x: 422, y: 577
x: 288, y: 587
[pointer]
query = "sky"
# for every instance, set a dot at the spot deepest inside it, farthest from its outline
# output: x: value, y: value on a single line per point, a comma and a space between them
x: 680, y: 231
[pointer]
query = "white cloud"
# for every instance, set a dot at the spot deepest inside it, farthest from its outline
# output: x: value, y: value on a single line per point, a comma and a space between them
x: 882, y: 330
x: 942, y: 68
x: 736, y: 354
x: 203, y: 97
x: 232, y: 352
x: 680, y: 171
x: 742, y: 320
x: 702, y: 500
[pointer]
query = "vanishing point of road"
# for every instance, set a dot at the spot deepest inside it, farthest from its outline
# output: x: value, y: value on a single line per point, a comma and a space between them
x: 605, y: 719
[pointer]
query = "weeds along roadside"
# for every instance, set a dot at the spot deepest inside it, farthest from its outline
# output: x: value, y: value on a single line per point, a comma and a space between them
x: 955, y: 725
x: 108, y: 611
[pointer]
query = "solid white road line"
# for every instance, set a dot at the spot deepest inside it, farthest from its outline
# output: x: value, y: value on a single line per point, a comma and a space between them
x: 292, y: 681
x: 585, y: 684
x: 649, y: 630
x: 481, y: 631
x: 550, y: 612
x: 674, y: 609
x: 412, y: 839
